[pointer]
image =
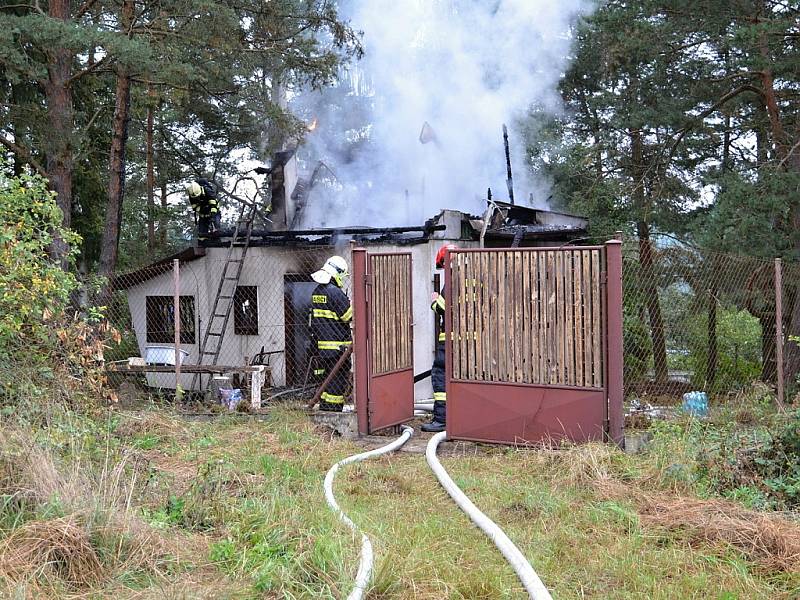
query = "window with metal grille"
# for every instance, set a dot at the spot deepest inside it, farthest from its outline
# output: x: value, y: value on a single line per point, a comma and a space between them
x: 160, y: 313
x: 245, y: 310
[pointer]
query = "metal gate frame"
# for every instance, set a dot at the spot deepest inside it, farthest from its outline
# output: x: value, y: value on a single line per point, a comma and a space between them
x: 525, y: 413
x: 382, y: 399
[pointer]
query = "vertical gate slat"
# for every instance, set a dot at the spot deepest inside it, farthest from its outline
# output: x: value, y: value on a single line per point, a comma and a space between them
x: 452, y: 300
x: 388, y: 330
x: 559, y: 303
x: 462, y: 316
x: 519, y: 325
x: 490, y: 315
x: 569, y: 321
x: 396, y: 314
x: 551, y: 339
x: 384, y: 313
x: 510, y: 331
x: 398, y: 322
x: 474, y: 307
x: 510, y: 322
x: 472, y: 318
x: 501, y: 320
x: 597, y: 380
x: 379, y: 340
x: 527, y: 367
x: 541, y: 307
x: 587, y: 317
x: 371, y: 313
x: 464, y: 331
x: 409, y: 311
x: 476, y: 261
x: 511, y: 296
x: 577, y: 309
x: 401, y: 312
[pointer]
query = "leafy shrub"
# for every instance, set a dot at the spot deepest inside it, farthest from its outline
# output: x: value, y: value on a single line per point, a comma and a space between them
x: 758, y: 465
x: 46, y: 354
x: 34, y: 287
x: 778, y: 462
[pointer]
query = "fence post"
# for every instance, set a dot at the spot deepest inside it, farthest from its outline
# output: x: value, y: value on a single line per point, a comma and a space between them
x: 360, y: 345
x: 176, y: 276
x: 779, y: 331
x: 614, y: 341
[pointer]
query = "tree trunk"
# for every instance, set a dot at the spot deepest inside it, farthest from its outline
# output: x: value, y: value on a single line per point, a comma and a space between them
x: 109, y: 246
x: 162, y: 218
x: 787, y: 150
x: 151, y: 233
x: 60, y: 161
x: 646, y: 258
x: 650, y: 285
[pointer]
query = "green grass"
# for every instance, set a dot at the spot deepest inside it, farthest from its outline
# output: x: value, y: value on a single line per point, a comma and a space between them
x: 246, y: 498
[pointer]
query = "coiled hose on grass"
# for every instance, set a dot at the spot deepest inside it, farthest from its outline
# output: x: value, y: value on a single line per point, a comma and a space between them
x: 366, y: 559
x: 530, y: 580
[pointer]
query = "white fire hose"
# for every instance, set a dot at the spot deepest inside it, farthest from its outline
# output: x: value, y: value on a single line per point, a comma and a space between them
x: 366, y: 559
x: 530, y: 580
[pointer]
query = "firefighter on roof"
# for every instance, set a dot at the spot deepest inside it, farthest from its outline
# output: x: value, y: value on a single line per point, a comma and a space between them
x: 330, y: 318
x: 437, y: 370
x: 203, y: 199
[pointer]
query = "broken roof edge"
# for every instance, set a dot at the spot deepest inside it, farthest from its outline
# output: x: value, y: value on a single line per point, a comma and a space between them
x: 544, y: 210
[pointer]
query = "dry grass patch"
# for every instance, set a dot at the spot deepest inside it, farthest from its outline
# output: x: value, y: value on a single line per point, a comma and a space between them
x: 58, y: 548
x: 768, y: 539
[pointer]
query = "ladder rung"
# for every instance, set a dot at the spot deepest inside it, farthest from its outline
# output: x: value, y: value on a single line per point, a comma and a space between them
x: 232, y: 279
x: 226, y: 297
x: 213, y: 333
x: 220, y: 314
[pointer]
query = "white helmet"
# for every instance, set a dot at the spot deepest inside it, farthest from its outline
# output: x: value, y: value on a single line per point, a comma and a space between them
x: 193, y: 189
x: 334, y: 268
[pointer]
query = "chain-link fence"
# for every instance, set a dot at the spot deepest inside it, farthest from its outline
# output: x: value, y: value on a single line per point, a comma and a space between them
x: 693, y: 319
x: 701, y: 320
x: 229, y: 316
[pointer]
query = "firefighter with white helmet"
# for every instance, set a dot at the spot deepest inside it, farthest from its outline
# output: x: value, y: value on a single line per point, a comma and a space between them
x: 203, y: 199
x: 331, y: 314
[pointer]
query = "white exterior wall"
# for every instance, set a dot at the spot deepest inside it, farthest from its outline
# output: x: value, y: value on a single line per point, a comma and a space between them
x: 265, y: 268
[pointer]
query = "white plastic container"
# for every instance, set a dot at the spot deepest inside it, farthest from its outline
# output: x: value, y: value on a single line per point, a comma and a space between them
x: 163, y: 355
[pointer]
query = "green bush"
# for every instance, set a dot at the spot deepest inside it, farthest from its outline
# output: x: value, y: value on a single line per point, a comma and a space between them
x: 756, y: 465
x: 47, y: 355
x: 35, y: 289
x: 778, y: 463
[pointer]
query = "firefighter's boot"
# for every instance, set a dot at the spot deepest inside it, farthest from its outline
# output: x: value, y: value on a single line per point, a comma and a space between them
x: 437, y: 424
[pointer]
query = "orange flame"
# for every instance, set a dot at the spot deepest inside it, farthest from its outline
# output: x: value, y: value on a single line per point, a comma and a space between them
x: 313, y: 125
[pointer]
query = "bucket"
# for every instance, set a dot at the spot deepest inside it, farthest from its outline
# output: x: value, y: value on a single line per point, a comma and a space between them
x: 696, y: 404
x: 163, y: 355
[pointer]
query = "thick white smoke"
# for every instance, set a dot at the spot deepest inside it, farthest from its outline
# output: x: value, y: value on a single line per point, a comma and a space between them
x: 465, y: 67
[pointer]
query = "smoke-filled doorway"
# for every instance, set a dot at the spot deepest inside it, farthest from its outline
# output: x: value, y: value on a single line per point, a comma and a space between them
x: 297, y: 289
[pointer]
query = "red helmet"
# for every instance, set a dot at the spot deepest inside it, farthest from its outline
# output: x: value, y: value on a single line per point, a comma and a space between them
x: 442, y: 253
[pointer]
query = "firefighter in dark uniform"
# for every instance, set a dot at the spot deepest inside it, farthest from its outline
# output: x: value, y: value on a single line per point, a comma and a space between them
x: 203, y: 199
x: 330, y: 318
x: 437, y: 370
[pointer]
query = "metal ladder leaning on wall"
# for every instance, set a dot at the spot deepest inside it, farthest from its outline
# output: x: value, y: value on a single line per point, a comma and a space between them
x: 223, y: 302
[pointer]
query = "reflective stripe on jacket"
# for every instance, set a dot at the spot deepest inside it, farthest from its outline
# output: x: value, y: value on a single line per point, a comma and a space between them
x: 330, y: 317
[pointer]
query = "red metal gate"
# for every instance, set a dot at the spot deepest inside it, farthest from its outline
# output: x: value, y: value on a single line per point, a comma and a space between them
x: 534, y: 347
x: 383, y: 339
